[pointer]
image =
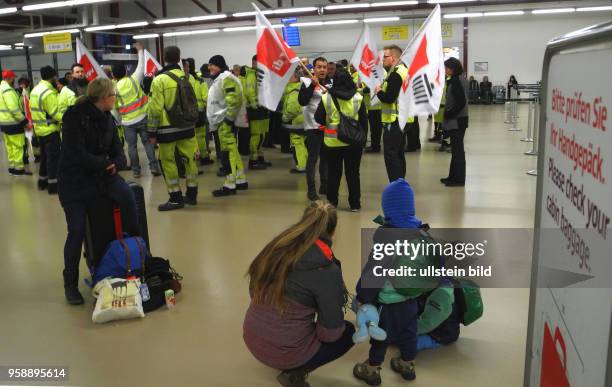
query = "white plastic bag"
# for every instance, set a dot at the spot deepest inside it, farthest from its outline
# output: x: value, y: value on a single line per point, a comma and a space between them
x: 118, y: 299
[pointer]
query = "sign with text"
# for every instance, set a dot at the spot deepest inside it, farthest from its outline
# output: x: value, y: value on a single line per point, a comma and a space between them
x: 447, y: 29
x: 291, y: 34
x: 61, y: 42
x: 395, y: 32
x: 570, y: 323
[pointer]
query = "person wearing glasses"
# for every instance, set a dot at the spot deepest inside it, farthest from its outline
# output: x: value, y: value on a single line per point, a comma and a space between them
x: 393, y: 132
x: 90, y: 157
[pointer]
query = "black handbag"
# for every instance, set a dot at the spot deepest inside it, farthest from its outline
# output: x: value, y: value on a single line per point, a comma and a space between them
x: 159, y: 277
x: 349, y: 130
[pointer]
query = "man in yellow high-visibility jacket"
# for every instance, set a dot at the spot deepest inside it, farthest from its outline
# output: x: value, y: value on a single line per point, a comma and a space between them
x: 131, y: 104
x: 172, y: 137
x: 46, y: 118
x: 259, y: 118
x: 393, y: 131
x: 12, y: 123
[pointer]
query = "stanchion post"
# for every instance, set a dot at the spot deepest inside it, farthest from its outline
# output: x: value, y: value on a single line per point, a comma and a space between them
x: 534, y: 144
x: 530, y: 121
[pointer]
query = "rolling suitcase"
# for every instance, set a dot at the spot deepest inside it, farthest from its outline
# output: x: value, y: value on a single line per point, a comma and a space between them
x: 104, y: 224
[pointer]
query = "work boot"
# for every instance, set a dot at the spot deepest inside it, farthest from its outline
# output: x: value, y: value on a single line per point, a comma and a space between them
x: 175, y: 202
x: 42, y: 185
x: 404, y: 368
x: 255, y: 165
x: 262, y: 161
x: 206, y: 161
x: 191, y: 198
x: 73, y: 296
x: 367, y: 373
x: 52, y: 188
x: 295, y: 378
x: 224, y: 191
x: 11, y: 171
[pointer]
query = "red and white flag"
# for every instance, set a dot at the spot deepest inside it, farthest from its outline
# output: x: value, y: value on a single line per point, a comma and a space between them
x: 276, y: 62
x: 422, y: 90
x: 92, y: 69
x: 152, y: 66
x: 367, y: 61
x: 26, y: 106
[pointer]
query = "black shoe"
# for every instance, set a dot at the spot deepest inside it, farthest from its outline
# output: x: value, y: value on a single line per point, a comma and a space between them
x: 73, y: 296
x: 255, y: 165
x: 443, y: 147
x: 37, y: 159
x: 312, y: 196
x: 451, y: 183
x: 372, y: 150
x: 444, y: 180
x: 355, y: 209
x: 297, y: 171
x: 242, y: 186
x: 206, y: 161
x: 262, y: 161
x: 11, y: 171
x: 42, y: 185
x: 156, y: 172
x: 52, y: 188
x: 191, y: 201
x: 26, y: 173
x: 410, y: 150
x: 224, y: 191
x: 170, y: 206
x: 435, y: 139
x: 222, y: 172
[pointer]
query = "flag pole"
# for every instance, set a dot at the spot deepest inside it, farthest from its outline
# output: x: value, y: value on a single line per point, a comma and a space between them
x: 422, y: 26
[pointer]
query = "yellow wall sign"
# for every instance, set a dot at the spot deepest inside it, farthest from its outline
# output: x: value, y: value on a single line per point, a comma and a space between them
x: 447, y: 31
x: 395, y: 32
x: 57, y: 42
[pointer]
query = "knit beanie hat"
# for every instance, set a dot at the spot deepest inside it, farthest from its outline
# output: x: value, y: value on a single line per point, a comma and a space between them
x: 398, y: 205
x: 219, y: 61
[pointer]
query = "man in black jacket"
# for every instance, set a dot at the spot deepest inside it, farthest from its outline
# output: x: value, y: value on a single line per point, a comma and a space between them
x: 309, y: 97
x: 393, y: 131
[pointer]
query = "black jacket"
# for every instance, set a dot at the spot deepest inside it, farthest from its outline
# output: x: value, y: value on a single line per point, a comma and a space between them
x: 394, y: 85
x: 306, y: 93
x: 90, y: 144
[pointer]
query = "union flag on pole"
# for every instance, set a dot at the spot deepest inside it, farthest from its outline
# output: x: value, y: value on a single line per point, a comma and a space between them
x: 276, y: 62
x: 422, y: 90
x: 26, y: 106
x: 367, y: 61
x: 152, y: 66
x: 92, y: 69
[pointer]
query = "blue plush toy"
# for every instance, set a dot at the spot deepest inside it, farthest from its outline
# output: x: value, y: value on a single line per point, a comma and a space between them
x: 367, y: 324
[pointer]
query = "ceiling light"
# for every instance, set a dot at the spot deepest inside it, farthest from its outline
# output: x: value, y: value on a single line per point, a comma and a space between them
x: 196, y: 32
x: 591, y: 9
x: 334, y: 22
x: 462, y: 15
x: 553, y: 10
x: 278, y: 25
x: 251, y: 13
x: 294, y: 10
x: 381, y: 19
x: 237, y: 29
x: 394, y: 3
x: 100, y: 28
x: 347, y: 6
x: 171, y: 21
x: 19, y: 44
x: 5, y: 11
x: 38, y: 34
x: 504, y: 13
x: 447, y: 1
x: 208, y: 17
x: 132, y: 25
x: 146, y: 36
x: 306, y: 24
x: 5, y: 47
x: 59, y: 4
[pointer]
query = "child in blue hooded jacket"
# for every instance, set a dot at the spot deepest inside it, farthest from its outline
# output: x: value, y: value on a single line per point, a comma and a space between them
x: 399, y: 312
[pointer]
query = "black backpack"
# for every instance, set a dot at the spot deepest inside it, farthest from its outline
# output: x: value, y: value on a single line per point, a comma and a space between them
x: 184, y: 112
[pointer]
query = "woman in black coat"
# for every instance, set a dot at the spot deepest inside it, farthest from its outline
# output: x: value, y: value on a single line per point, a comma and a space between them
x: 456, y: 121
x: 90, y: 157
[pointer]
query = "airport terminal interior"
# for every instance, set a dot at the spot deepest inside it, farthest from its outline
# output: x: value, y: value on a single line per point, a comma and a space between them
x: 200, y: 340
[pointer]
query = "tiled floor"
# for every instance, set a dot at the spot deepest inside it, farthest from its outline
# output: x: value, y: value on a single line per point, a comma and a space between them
x: 199, y: 343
